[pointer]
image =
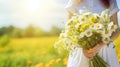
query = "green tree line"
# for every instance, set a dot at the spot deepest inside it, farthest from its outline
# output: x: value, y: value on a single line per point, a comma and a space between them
x: 29, y: 31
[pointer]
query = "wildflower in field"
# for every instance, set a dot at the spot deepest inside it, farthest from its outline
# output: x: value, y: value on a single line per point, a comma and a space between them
x: 43, y: 52
x: 30, y: 62
x: 52, y: 61
x: 58, y: 60
x: 2, y: 49
x: 40, y: 65
x: 65, y: 61
x: 48, y: 65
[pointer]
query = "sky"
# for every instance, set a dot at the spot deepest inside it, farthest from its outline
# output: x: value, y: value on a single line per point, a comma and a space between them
x: 40, y: 13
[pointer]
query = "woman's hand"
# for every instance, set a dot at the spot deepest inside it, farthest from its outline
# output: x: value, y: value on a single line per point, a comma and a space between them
x: 92, y: 52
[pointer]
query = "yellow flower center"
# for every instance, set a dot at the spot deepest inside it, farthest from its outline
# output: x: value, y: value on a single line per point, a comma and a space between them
x: 106, y: 39
x: 106, y: 32
x: 112, y: 27
x: 82, y: 19
x: 88, y: 32
x: 100, y: 32
x: 98, y: 26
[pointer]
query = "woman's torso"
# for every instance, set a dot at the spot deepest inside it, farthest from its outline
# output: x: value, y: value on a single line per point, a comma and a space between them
x: 92, y: 5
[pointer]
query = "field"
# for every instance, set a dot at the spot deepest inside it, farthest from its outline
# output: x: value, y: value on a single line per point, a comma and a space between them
x: 36, y: 52
x: 32, y: 52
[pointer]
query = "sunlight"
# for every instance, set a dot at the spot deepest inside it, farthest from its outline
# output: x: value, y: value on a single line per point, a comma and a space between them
x: 32, y: 5
x: 37, y: 12
x: 41, y: 13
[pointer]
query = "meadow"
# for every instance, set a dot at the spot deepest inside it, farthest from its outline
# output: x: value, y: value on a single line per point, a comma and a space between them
x: 36, y: 52
x: 32, y: 52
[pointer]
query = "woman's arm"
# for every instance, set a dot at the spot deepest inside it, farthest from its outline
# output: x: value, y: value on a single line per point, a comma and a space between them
x: 115, y: 34
x: 69, y: 15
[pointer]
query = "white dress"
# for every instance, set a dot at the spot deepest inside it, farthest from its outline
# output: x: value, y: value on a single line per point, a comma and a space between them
x: 108, y: 53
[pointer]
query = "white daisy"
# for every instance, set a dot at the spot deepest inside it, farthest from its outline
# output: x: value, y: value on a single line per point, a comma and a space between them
x: 106, y: 40
x: 112, y: 26
x: 105, y: 16
x: 88, y: 14
x: 107, y: 33
x: 98, y: 26
x: 82, y: 19
x: 81, y: 35
x: 97, y: 16
x: 88, y: 32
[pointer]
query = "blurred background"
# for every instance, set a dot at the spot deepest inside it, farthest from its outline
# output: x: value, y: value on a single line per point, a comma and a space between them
x: 28, y: 31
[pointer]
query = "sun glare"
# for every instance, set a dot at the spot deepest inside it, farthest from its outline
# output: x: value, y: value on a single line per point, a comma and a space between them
x: 32, y: 5
x: 37, y: 12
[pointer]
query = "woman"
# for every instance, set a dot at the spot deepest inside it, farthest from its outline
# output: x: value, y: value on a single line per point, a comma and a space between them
x: 80, y: 57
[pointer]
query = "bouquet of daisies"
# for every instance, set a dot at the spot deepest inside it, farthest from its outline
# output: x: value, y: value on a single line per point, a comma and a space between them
x: 86, y: 30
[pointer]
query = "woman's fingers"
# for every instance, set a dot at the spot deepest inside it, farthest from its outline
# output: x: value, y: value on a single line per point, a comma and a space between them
x: 98, y: 47
x: 90, y: 58
x: 92, y: 52
x: 89, y: 55
x: 86, y: 53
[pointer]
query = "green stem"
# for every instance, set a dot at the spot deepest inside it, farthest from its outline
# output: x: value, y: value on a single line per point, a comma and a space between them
x: 95, y: 64
x: 103, y: 62
x: 96, y: 60
x: 99, y: 62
